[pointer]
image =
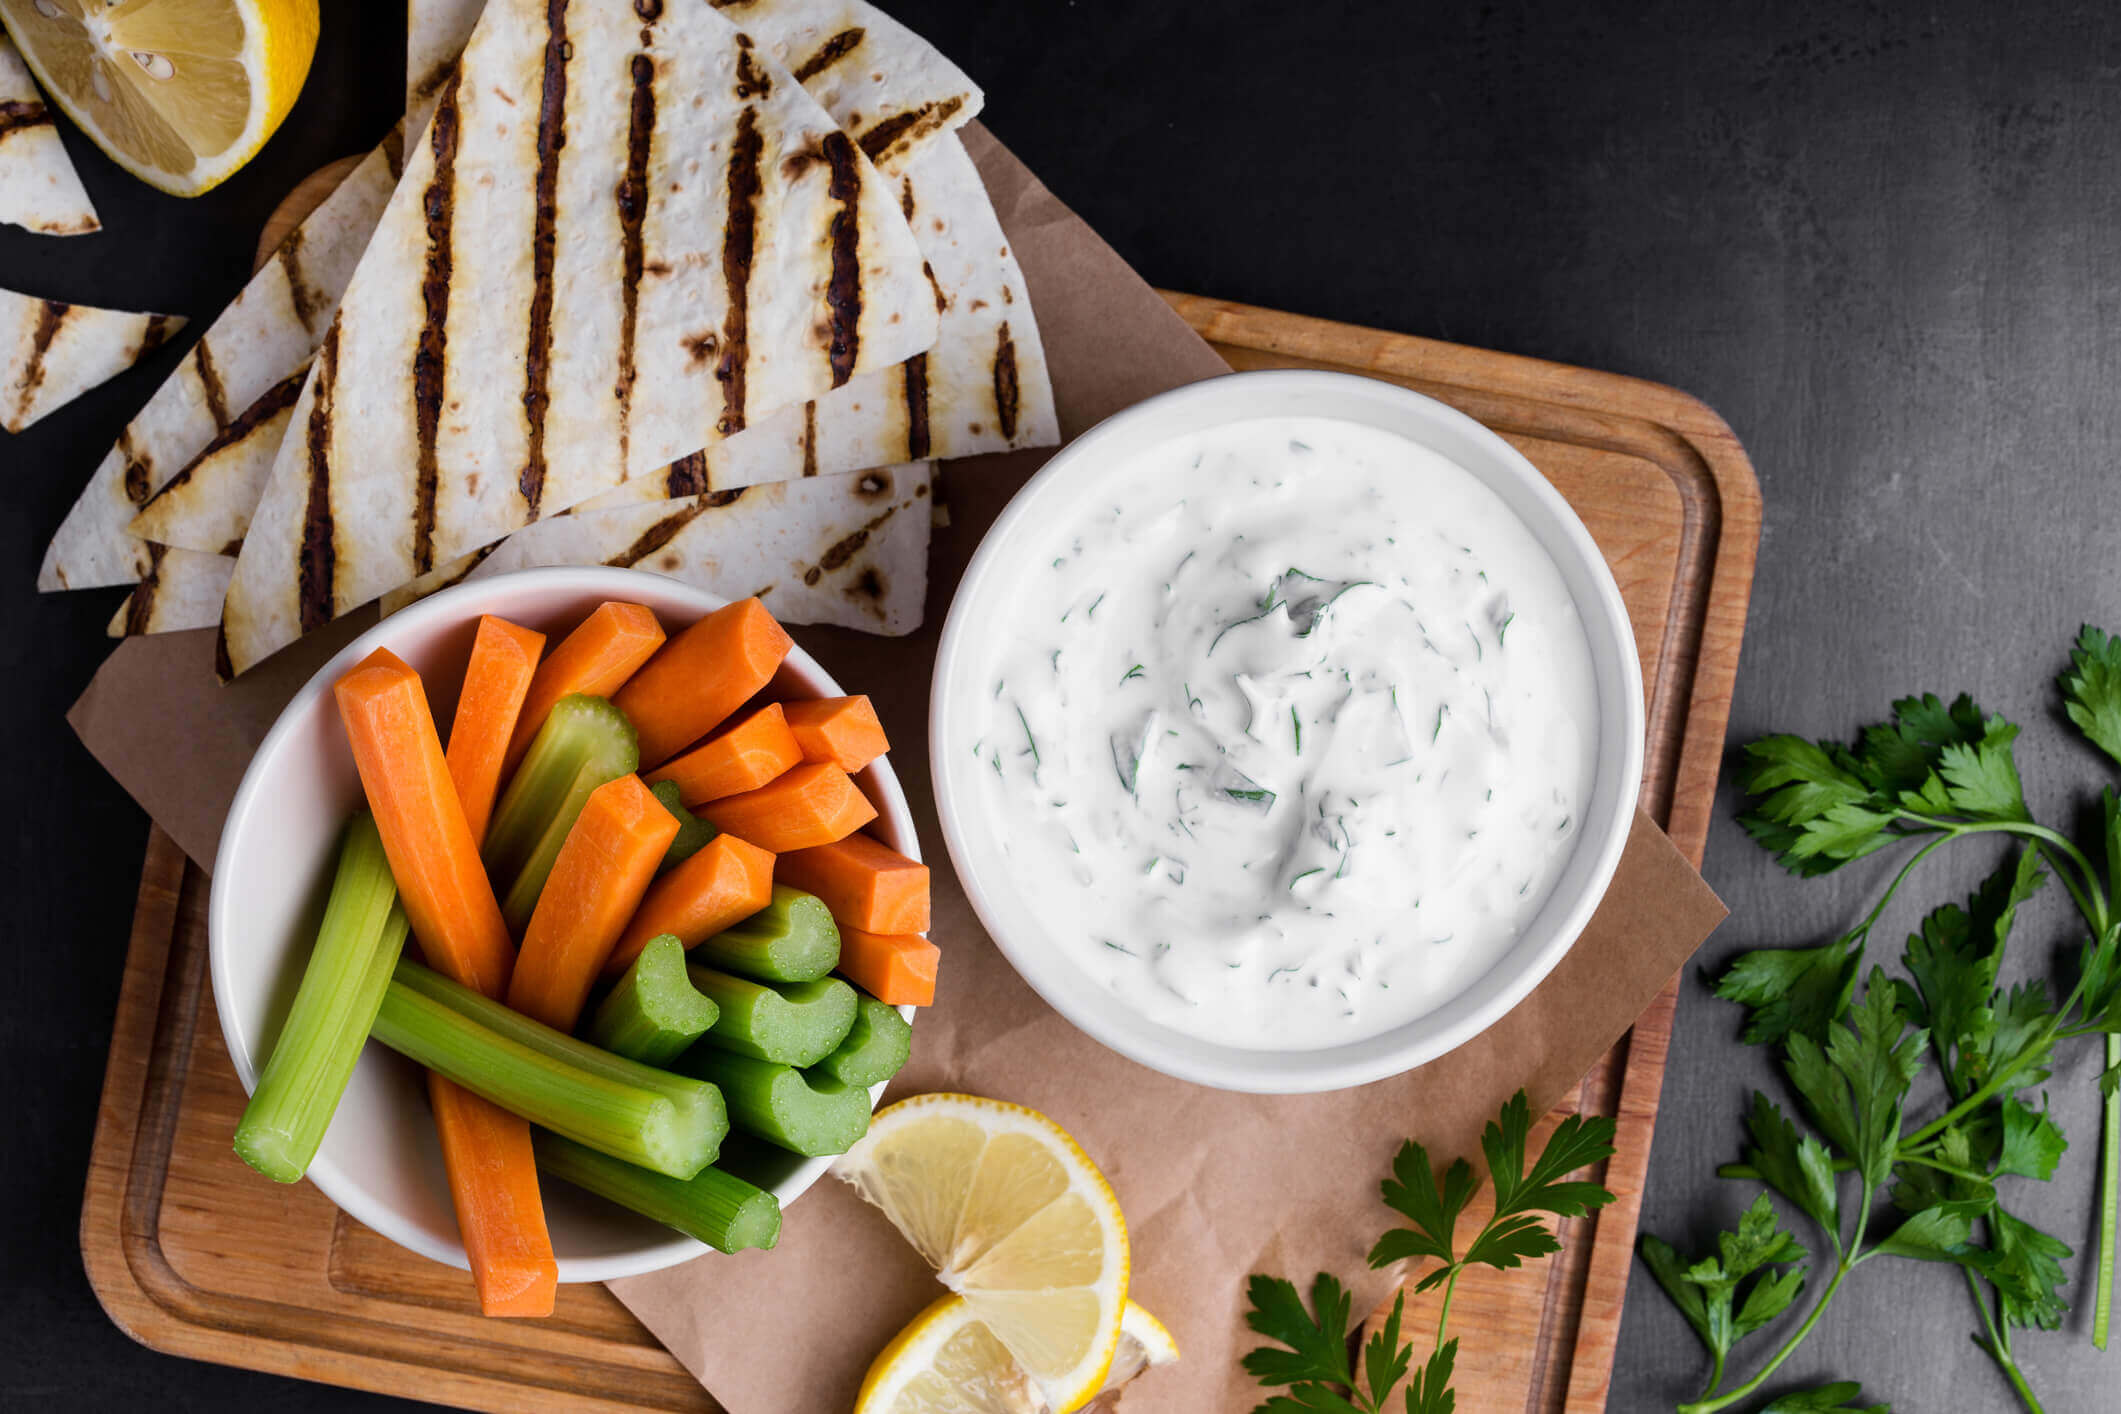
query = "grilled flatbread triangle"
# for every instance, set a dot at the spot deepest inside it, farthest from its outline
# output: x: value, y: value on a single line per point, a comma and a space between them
x: 890, y: 89
x: 982, y: 388
x: 38, y: 188
x: 206, y: 506
x: 525, y: 332
x: 52, y: 353
x: 845, y: 550
x: 271, y: 330
x: 178, y: 589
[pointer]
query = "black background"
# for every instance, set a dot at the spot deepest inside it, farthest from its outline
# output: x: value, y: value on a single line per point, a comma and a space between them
x: 1881, y: 240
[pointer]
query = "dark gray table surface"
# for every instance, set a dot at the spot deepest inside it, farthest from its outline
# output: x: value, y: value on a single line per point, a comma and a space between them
x: 1883, y: 241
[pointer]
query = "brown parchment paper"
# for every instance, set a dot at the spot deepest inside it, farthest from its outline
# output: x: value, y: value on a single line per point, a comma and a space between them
x: 1215, y: 1185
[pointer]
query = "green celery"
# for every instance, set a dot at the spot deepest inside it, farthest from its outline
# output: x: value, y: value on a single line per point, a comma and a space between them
x: 793, y: 939
x: 809, y: 1113
x: 693, y: 832
x: 654, y: 1012
x: 665, y: 1122
x: 794, y: 1023
x: 357, y: 945
x: 584, y: 743
x: 874, y: 1050
x: 714, y: 1207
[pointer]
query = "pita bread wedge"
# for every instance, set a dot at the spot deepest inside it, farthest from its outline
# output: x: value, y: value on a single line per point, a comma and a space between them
x: 885, y: 85
x: 845, y: 550
x: 526, y: 332
x: 179, y: 589
x: 272, y: 328
x: 52, y: 353
x: 206, y: 506
x: 982, y: 388
x: 38, y: 188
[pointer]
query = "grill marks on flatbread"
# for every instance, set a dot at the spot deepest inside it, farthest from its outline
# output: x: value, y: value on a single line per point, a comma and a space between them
x: 206, y: 506
x: 845, y: 550
x: 38, y: 188
x: 178, y: 589
x: 982, y: 388
x: 749, y: 259
x: 270, y: 331
x: 51, y: 353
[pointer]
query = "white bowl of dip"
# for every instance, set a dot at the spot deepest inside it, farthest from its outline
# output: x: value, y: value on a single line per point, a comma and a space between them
x: 380, y: 1160
x: 1287, y: 730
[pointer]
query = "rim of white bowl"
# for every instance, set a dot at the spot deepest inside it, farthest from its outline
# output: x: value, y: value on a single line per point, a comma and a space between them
x: 350, y: 1196
x: 1270, y: 393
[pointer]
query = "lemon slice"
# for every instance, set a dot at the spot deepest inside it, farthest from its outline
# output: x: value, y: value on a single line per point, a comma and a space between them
x: 1015, y: 1219
x: 947, y: 1361
x: 180, y: 93
x: 1144, y: 1344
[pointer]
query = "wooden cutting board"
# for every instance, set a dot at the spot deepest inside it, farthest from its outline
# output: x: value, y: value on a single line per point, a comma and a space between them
x: 193, y: 1254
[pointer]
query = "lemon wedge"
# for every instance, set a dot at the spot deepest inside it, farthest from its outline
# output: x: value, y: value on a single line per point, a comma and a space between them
x: 947, y: 1361
x: 1018, y: 1223
x: 180, y: 93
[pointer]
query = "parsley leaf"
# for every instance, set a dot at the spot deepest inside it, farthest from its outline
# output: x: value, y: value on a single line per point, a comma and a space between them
x: 1430, y: 1391
x: 2091, y: 689
x: 1981, y: 780
x: 1707, y: 1290
x: 1836, y: 1397
x: 1317, y: 1347
x: 1413, y: 1192
x: 1513, y: 1234
x: 1384, y: 1359
x: 1855, y: 1086
x: 1797, y: 1168
x: 1791, y: 989
x: 2032, y: 1144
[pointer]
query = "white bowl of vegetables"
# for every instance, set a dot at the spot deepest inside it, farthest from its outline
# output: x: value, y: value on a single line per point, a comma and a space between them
x: 581, y: 757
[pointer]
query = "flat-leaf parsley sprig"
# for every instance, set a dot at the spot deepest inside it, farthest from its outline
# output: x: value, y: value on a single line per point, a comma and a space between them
x: 1933, y: 774
x: 1317, y: 1364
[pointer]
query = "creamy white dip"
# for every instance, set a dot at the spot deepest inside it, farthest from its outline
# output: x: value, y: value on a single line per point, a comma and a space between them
x: 1294, y: 733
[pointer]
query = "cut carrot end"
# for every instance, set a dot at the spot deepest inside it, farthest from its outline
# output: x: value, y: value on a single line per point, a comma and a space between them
x: 493, y: 1184
x: 725, y: 883
x: 701, y: 676
x: 838, y: 731
x: 596, y: 660
x: 800, y: 809
x: 866, y: 884
x: 740, y: 758
x: 895, y: 969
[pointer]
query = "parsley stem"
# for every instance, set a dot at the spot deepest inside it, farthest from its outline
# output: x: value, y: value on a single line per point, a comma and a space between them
x: 1443, y: 1316
x: 1789, y: 1348
x: 2109, y: 1205
x: 1998, y: 1345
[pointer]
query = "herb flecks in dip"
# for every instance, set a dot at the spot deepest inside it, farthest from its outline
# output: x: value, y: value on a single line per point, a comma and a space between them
x: 1294, y: 734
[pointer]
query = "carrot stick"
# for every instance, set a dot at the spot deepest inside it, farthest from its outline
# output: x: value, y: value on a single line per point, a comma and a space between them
x: 604, y: 867
x: 799, y: 809
x: 504, y: 658
x: 425, y: 836
x: 896, y: 969
x: 838, y: 731
x: 725, y: 883
x: 493, y: 1182
x: 493, y: 1177
x: 736, y: 759
x: 595, y: 660
x: 867, y: 885
x: 702, y: 676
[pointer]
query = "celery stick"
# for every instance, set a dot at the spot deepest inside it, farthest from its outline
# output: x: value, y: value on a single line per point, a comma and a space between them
x: 717, y: 1208
x: 793, y: 939
x: 634, y: 1112
x: 693, y: 832
x: 795, y: 1023
x: 809, y: 1113
x: 342, y: 985
x: 654, y: 1012
x: 874, y: 1050
x: 584, y: 743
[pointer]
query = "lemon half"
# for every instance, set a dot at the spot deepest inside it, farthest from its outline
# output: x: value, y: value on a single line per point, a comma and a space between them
x: 1018, y: 1223
x: 181, y: 93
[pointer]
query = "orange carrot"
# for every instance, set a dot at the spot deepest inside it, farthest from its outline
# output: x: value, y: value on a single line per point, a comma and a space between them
x: 838, y: 731
x: 867, y: 885
x: 736, y: 759
x: 493, y: 1179
x: 447, y: 896
x: 725, y: 883
x: 493, y: 1182
x: 799, y: 809
x: 896, y: 969
x: 701, y: 676
x: 595, y: 660
x: 605, y: 865
x: 504, y: 658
